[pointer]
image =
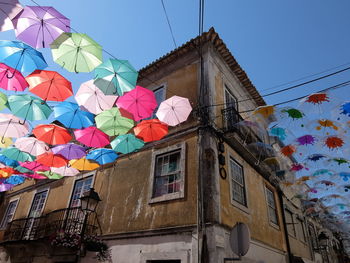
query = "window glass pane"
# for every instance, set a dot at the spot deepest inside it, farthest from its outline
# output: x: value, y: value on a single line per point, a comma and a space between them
x: 80, y: 187
x: 38, y: 204
x: 160, y: 96
x: 230, y: 99
x: 237, y: 183
x: 9, y: 213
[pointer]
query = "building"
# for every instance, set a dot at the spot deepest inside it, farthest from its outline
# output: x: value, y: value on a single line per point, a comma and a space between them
x: 177, y: 199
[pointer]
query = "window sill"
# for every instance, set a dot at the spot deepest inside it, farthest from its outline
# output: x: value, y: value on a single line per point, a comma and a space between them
x: 166, y: 197
x: 240, y: 206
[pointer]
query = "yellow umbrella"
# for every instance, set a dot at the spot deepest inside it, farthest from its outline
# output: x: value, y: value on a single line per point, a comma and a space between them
x: 265, y: 111
x: 5, y: 142
x: 83, y: 164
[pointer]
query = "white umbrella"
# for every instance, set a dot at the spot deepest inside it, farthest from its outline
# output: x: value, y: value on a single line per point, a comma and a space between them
x: 174, y: 110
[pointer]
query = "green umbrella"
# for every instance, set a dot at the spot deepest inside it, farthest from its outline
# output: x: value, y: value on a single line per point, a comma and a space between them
x: 50, y: 174
x: 126, y: 143
x: 3, y: 101
x: 115, y: 77
x: 28, y: 107
x: 17, y: 155
x: 113, y: 123
x: 76, y: 52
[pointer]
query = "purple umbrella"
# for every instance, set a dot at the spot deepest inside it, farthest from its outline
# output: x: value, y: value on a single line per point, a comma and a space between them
x: 70, y: 151
x: 306, y: 140
x: 39, y: 26
x: 5, y: 187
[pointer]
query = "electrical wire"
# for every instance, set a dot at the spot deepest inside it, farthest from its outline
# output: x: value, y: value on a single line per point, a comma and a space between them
x: 167, y: 18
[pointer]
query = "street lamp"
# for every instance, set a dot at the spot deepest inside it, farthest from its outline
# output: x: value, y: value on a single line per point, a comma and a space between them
x: 89, y: 201
x: 323, y: 240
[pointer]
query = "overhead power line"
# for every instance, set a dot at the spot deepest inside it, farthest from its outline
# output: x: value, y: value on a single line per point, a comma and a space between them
x: 167, y: 18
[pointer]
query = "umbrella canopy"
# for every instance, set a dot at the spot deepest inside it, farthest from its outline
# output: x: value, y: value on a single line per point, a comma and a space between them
x: 31, y: 145
x: 8, y: 10
x: 28, y: 107
x: 34, y: 166
x: 151, y: 130
x: 35, y: 176
x: 6, y: 187
x: 12, y: 128
x: 115, y: 77
x: 39, y: 26
x: 52, y: 160
x: 91, y: 137
x: 140, y: 102
x: 113, y: 123
x: 3, y: 101
x: 174, y: 110
x: 76, y: 52
x: 102, y: 156
x: 15, y: 180
x: 7, y: 161
x: 83, y: 164
x: 16, y: 83
x: 126, y: 143
x: 65, y: 171
x: 70, y: 151
x: 20, y: 56
x: 49, y: 85
x: 50, y: 175
x: 17, y: 155
x: 5, y: 142
x: 52, y: 134
x: 92, y: 98
x: 71, y: 116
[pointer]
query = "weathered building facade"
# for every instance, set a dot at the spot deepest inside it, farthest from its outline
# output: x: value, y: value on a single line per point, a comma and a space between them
x: 176, y: 199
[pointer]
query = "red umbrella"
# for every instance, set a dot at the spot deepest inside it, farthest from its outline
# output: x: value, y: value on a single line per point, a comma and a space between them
x: 92, y: 137
x: 52, y: 134
x: 49, y: 85
x: 151, y: 130
x: 52, y: 160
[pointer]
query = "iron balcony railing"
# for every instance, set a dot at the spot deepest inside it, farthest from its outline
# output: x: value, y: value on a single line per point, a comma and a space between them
x: 69, y: 220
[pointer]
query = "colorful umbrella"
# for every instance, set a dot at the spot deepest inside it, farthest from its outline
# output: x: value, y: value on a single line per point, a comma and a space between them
x: 52, y: 160
x: 31, y: 145
x: 21, y: 57
x: 7, y: 161
x: 52, y: 134
x: 92, y: 98
x: 15, y: 180
x: 5, y: 142
x: 70, y: 151
x: 12, y: 127
x: 126, y: 144
x: 6, y: 187
x: 36, y: 176
x: 91, y: 137
x: 115, y: 77
x: 28, y: 107
x: 71, y: 116
x: 49, y: 85
x: 102, y: 156
x: 8, y: 10
x: 174, y: 110
x: 3, y: 101
x: 34, y: 166
x: 16, y: 83
x: 140, y: 102
x: 39, y: 26
x: 151, y: 130
x: 76, y: 52
x: 113, y: 123
x: 83, y: 164
x: 17, y: 155
x: 65, y: 171
x: 50, y: 175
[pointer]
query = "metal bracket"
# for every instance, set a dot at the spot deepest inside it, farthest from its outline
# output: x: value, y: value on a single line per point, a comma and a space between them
x: 232, y: 259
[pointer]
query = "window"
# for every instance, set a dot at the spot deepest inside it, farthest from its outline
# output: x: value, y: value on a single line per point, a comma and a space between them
x: 313, y: 236
x: 80, y: 187
x: 230, y: 100
x: 159, y: 93
x: 301, y: 230
x: 238, y: 192
x: 290, y: 223
x: 10, y: 211
x: 167, y: 173
x: 271, y: 205
x: 231, y: 109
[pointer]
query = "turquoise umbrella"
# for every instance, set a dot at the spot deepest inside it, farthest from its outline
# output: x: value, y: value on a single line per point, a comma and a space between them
x: 28, y: 107
x: 17, y: 155
x: 102, y: 156
x: 115, y: 77
x: 126, y: 143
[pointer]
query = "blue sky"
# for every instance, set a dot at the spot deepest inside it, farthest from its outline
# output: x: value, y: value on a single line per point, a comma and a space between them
x: 274, y: 41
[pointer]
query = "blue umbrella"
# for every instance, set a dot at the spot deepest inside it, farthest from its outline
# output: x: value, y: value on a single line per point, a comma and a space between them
x: 20, y: 56
x: 102, y: 155
x: 8, y: 162
x: 71, y: 116
x: 15, y: 179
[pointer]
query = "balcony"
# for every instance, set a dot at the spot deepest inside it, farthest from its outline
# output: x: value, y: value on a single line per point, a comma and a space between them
x: 69, y: 220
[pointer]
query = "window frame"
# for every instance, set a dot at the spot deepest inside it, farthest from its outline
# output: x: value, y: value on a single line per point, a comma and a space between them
x: 170, y: 196
x: 301, y: 236
x: 229, y: 91
x: 3, y: 225
x: 269, y: 207
x: 39, y: 190
x: 245, y: 206
x: 81, y: 177
x: 291, y: 223
x: 154, y: 89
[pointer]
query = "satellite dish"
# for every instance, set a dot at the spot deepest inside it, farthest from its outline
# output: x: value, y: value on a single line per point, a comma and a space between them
x: 240, y: 239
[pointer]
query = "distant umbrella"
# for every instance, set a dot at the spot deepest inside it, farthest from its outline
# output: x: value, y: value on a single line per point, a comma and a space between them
x: 83, y: 164
x: 31, y: 145
x: 17, y: 155
x: 174, y: 110
x: 52, y: 134
x: 34, y: 166
x: 70, y: 151
x: 91, y: 137
x: 65, y: 171
x: 52, y: 160
x: 102, y: 156
x: 127, y: 143
x: 50, y: 175
x: 151, y: 130
x: 8, y: 10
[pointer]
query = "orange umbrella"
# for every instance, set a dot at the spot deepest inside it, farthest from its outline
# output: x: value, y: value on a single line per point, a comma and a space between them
x: 52, y: 134
x: 49, y: 85
x: 151, y: 130
x: 52, y: 160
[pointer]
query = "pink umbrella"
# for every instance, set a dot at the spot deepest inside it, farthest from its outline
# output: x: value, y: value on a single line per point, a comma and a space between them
x: 32, y: 145
x: 34, y: 166
x: 92, y: 98
x: 65, y: 171
x: 35, y: 176
x: 140, y: 102
x: 15, y: 82
x: 92, y: 137
x: 12, y: 126
x: 174, y: 110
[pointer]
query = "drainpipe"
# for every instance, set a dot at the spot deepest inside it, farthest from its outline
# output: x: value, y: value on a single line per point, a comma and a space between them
x: 285, y: 230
